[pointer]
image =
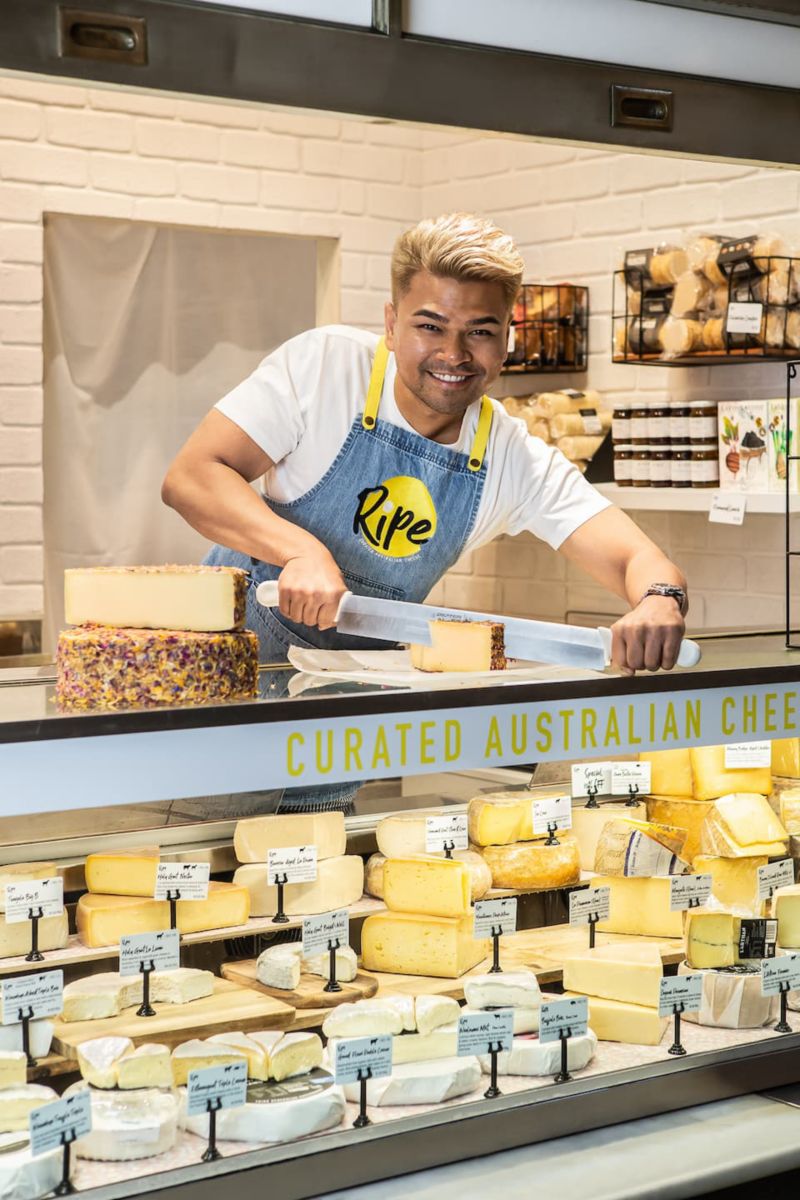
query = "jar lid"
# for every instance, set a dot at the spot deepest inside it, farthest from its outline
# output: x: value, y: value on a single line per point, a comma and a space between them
x: 680, y: 403
x: 703, y: 403
x: 686, y: 446
x: 622, y: 446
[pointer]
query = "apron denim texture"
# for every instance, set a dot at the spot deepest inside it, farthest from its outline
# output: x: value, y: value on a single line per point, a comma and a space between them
x: 382, y: 474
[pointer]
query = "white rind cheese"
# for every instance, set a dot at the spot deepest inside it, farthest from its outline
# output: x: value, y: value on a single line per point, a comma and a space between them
x: 256, y: 1053
x: 423, y: 1047
x: 509, y: 989
x: 254, y: 837
x: 421, y: 1083
x: 196, y: 1055
x: 23, y: 1177
x: 41, y: 1037
x: 147, y: 1066
x: 365, y: 1018
x: 274, y: 1112
x: 529, y: 1056
x: 107, y: 995
x: 405, y: 1006
x: 98, y: 1059
x: 295, y: 1054
x: 16, y: 1103
x: 431, y: 1012
x: 339, y: 883
x: 526, y: 1020
x: 279, y: 967
x: 129, y: 1125
x: 731, y: 999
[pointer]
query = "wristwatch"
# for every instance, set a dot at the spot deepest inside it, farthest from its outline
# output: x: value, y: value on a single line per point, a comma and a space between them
x: 669, y: 589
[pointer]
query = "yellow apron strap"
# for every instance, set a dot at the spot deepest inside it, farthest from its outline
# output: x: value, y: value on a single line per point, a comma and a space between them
x: 481, y: 435
x: 370, y: 413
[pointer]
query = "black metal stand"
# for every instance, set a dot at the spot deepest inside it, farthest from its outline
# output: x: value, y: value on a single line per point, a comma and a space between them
x: 633, y: 800
x: 362, y: 1119
x: 34, y: 919
x: 783, y: 1025
x: 280, y: 917
x: 591, y: 792
x: 592, y: 930
x: 495, y: 968
x: 146, y: 1009
x: 552, y: 829
x: 173, y: 907
x: 332, y: 985
x: 26, y: 1034
x: 493, y: 1090
x: 448, y: 848
x: 211, y: 1153
x: 694, y: 902
x: 65, y: 1188
x: 676, y: 1047
x: 563, y: 1075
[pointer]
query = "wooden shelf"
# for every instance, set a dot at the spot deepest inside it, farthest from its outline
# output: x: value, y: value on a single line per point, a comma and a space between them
x: 689, y: 499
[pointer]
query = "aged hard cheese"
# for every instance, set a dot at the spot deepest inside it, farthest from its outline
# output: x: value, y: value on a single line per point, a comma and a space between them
x: 412, y: 944
x: 339, y: 883
x: 508, y: 989
x: 712, y: 779
x: 534, y: 866
x: 124, y: 873
x: 16, y: 1103
x: 786, y: 757
x: 670, y: 772
x: 254, y: 838
x: 102, y: 919
x: 640, y: 906
x: 461, y: 646
x: 618, y: 1021
x: 786, y: 908
x: 480, y: 877
x: 171, y: 597
x: 24, y: 873
x: 421, y: 1083
x: 629, y: 847
x: 683, y: 813
x: 15, y: 939
x: 734, y: 881
x: 712, y: 939
x: 790, y: 809
x: 529, y: 1056
x: 731, y: 999
x: 618, y: 972
x: 424, y: 884
x: 742, y: 825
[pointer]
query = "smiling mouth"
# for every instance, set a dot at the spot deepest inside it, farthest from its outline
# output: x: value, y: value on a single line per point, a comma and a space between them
x: 449, y: 379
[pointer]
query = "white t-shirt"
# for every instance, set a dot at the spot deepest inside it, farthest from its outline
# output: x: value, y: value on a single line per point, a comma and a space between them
x: 299, y: 403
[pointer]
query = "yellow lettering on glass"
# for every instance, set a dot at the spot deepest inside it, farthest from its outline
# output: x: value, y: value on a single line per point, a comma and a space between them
x: 494, y: 742
x: 292, y: 767
x: 353, y: 739
x: 452, y: 740
x: 380, y: 751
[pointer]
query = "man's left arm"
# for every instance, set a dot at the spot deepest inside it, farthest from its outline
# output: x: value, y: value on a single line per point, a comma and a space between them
x: 613, y: 550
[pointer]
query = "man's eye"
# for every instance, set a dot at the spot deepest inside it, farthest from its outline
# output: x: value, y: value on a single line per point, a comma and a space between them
x: 485, y: 332
x: 427, y: 325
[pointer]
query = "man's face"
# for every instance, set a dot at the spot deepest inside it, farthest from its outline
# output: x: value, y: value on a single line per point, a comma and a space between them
x: 449, y: 340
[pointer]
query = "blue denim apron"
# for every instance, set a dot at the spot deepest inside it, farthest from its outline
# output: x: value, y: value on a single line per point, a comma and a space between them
x: 395, y: 510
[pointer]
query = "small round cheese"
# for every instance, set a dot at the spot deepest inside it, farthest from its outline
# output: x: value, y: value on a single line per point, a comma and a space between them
x: 276, y: 1112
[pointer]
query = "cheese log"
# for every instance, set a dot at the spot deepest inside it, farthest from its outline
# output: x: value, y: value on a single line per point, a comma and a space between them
x: 734, y: 881
x: 422, y: 1047
x: 529, y: 1056
x: 257, y: 1055
x: 640, y: 906
x: 711, y: 779
x: 295, y: 1054
x: 23, y: 1177
x: 785, y: 757
x: 24, y: 873
x: 618, y: 1021
x: 670, y: 772
x: 499, y: 818
x: 365, y: 1018
x: 684, y: 813
x: 790, y: 810
x: 412, y: 944
x: 712, y: 939
x: 731, y: 999
x: 199, y: 598
x: 742, y: 824
x: 480, y: 876
x: 786, y: 909
x: 196, y: 1055
x: 16, y: 1104
x: 147, y: 1066
x: 98, y: 1059
x: 617, y: 972
x: 627, y: 847
x: 431, y: 1012
x: 275, y: 1112
x: 15, y: 939
x: 41, y: 1035
x: 588, y: 824
x: 526, y: 1020
x: 279, y: 966
x: 102, y: 920
x: 13, y: 1069
x: 461, y: 646
x: 534, y: 866
x: 124, y: 873
x: 508, y: 989
x: 421, y: 1083
x: 339, y: 883
x: 254, y: 838
x: 438, y: 886
x: 129, y: 1125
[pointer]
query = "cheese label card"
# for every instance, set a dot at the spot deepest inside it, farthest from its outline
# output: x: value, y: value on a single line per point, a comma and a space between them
x: 590, y: 904
x: 747, y: 754
x: 757, y: 937
x: 37, y: 897
x: 493, y: 917
x: 688, y: 891
x: 149, y: 951
x: 32, y: 996
x: 446, y: 832
x: 592, y: 425
x: 190, y: 880
x: 563, y: 1018
x: 775, y: 875
x: 363, y: 1058
x: 776, y: 973
x: 625, y: 776
x: 744, y: 317
x: 51, y: 1125
x: 548, y: 814
x: 216, y: 1087
x: 595, y: 775
x: 328, y: 931
x: 681, y: 992
x: 727, y: 508
x: 297, y: 864
x: 485, y: 1032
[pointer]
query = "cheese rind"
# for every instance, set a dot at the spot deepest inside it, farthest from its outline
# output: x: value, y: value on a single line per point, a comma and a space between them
x: 98, y: 1058
x: 23, y: 1177
x: 200, y: 598
x: 256, y: 1053
x: 279, y: 967
x: 711, y: 778
x: 461, y: 646
x: 508, y: 989
x: 534, y: 866
x: 629, y: 973
x: 731, y: 999
x: 339, y: 883
x: 103, y: 919
x: 431, y: 1012
x: 480, y: 876
x: 295, y: 1054
x: 790, y: 810
x: 734, y: 881
x: 106, y: 995
x: 529, y: 1056
x: 196, y: 1055
x: 639, y: 848
x: 439, y: 887
x: 413, y: 944
x: 421, y: 1083
x: 129, y: 1125
x: 742, y: 825
x: 588, y: 824
x: 640, y: 906
x: 684, y: 813
x: 254, y: 837
x: 786, y: 909
x: 712, y: 939
x: 271, y: 1115
x: 365, y: 1018
x: 618, y: 1021
x: 422, y: 1047
x: 15, y: 939
x: 126, y: 873
x: 670, y: 772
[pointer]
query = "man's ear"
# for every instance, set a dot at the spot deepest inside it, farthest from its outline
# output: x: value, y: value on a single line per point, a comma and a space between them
x: 389, y: 320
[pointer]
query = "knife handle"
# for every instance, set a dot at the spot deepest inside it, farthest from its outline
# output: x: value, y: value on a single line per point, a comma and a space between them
x: 689, y: 654
x: 267, y: 594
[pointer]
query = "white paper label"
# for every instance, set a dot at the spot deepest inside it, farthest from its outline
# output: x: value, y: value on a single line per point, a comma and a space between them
x: 297, y: 864
x: 485, y: 1032
x: 744, y: 317
x: 567, y: 1018
x: 592, y: 426
x: 446, y: 833
x: 774, y: 876
x: 52, y: 1125
x: 363, y: 1058
x: 494, y: 917
x: 688, y: 891
x: 780, y: 975
x: 727, y: 508
x: 32, y: 996
x: 188, y: 880
x: 552, y: 814
x: 591, y: 904
x: 150, y: 952
x: 216, y: 1088
x: 646, y: 857
x: 740, y: 755
x: 328, y: 931
x: 632, y: 775
x: 35, y: 898
x: 594, y: 776
x: 681, y: 992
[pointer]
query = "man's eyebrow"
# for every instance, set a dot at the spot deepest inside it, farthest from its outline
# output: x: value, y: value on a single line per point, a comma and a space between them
x: 432, y: 316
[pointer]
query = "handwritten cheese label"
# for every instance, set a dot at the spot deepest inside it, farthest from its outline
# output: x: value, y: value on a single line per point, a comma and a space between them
x: 188, y: 880
x: 329, y: 931
x: 493, y: 918
x: 553, y: 814
x: 741, y: 755
x: 591, y: 779
x: 446, y: 832
x: 680, y: 993
x: 295, y: 864
x: 630, y: 776
x: 34, y: 898
x: 591, y: 904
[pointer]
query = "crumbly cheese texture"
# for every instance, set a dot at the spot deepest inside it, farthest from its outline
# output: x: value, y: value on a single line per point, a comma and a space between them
x: 684, y: 813
x: 786, y: 908
x: 742, y: 825
x: 670, y: 772
x: 529, y: 1056
x: 16, y: 1103
x: 734, y: 881
x: 24, y: 873
x: 413, y: 944
x: 15, y: 939
x: 254, y: 837
x: 102, y: 920
x: 425, y: 884
x: 339, y: 883
x: 629, y: 847
x: 124, y: 872
x: 534, y: 866
x: 199, y: 598
x: 711, y: 779
x: 98, y: 666
x: 786, y: 757
x: 462, y: 646
x: 507, y: 989
x: 731, y: 999
x: 588, y: 824
x: 640, y: 906
x: 712, y: 939
x: 618, y: 1021
x: 421, y: 1083
x: 630, y: 973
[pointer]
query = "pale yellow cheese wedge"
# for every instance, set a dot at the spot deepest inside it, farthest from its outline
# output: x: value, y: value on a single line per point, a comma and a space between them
x: 256, y: 1054
x: 712, y: 779
x: 123, y: 873
x: 786, y: 909
x: 15, y: 939
x: 786, y: 757
x: 295, y: 1054
x: 742, y: 825
x: 734, y: 881
x: 13, y: 1068
x: 146, y: 1066
x: 670, y: 772
x: 640, y: 906
x: 461, y: 646
x: 339, y: 883
x: 423, y: 884
x: 24, y: 873
x: 201, y: 598
x: 790, y: 810
x: 196, y: 1055
x: 413, y: 944
x: 684, y: 813
x: 480, y: 876
x: 102, y: 920
x: 255, y: 837
x: 630, y: 973
x: 712, y: 939
x: 618, y: 1021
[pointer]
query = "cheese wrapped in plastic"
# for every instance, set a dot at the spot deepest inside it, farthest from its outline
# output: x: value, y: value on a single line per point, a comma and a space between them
x: 683, y: 813
x: 628, y: 847
x: 670, y: 772
x: 712, y: 779
x: 731, y: 999
x: 740, y: 825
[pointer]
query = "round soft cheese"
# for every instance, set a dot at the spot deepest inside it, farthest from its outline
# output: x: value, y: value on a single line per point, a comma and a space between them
x: 421, y: 1083
x: 731, y: 998
x: 23, y: 1177
x: 506, y: 989
x: 276, y: 1112
x: 128, y: 1125
x: 529, y: 1056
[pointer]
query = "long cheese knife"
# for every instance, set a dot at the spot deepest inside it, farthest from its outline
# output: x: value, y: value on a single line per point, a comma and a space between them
x: 533, y: 641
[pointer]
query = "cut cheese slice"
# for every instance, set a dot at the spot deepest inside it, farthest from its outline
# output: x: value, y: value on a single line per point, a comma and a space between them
x: 103, y: 919
x: 627, y: 847
x: 630, y: 973
x: 431, y: 1012
x: 742, y: 825
x: 461, y: 646
x: 712, y: 939
x: 201, y: 598
x: 480, y: 876
x: 13, y: 1070
x: 365, y: 1018
x: 98, y: 1059
x: 276, y: 1112
x: 670, y: 772
x: 422, y: 1047
x: 424, y: 884
x: 181, y: 986
x: 339, y: 883
x: 640, y: 906
x: 683, y: 813
x: 147, y: 1066
x: 295, y: 1054
x: 534, y: 866
x: 129, y: 1125
x: 346, y: 964
x: 17, y: 1103
x: 712, y: 779
x: 421, y: 1083
x: 257, y: 1055
x: 24, y: 873
x: 412, y: 944
x: 786, y: 757
x: 125, y: 873
x: 786, y: 908
x: 790, y: 810
x: 508, y: 989
x: 588, y: 823
x: 268, y: 1039
x: 254, y: 838
x: 731, y: 999
x: 15, y: 939
x: 196, y: 1055
x: 529, y: 1056
x: 618, y: 1021
x: 734, y: 882
x: 98, y: 996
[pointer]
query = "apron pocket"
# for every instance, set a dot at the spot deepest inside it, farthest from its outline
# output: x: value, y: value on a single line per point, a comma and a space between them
x: 369, y: 587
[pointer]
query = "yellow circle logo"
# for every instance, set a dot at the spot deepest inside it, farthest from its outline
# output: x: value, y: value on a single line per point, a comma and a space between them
x: 396, y: 518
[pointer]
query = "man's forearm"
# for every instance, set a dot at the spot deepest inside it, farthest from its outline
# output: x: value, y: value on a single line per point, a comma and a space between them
x: 647, y: 566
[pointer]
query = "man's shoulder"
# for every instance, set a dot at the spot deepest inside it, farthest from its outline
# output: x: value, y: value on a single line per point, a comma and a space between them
x: 341, y: 339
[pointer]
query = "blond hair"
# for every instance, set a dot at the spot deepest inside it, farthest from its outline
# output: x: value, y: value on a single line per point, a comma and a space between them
x: 458, y: 246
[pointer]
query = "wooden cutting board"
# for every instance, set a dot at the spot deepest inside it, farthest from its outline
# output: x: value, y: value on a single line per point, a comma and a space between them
x: 311, y: 992
x: 229, y: 1007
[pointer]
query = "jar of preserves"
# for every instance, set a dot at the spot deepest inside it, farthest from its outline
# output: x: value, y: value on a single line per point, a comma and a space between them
x: 640, y: 417
x: 640, y: 466
x: 621, y: 421
x: 705, y: 465
x: 660, y: 465
x: 681, y: 465
x: 623, y: 464
x: 679, y: 421
x: 658, y: 417
x: 703, y: 421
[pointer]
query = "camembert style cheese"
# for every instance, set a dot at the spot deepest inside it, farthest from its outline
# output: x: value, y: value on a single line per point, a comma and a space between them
x: 732, y: 999
x: 198, y: 598
x: 102, y: 920
x: 197, y: 1055
x: 462, y: 646
x: 254, y: 837
x: 439, y: 887
x: 412, y: 944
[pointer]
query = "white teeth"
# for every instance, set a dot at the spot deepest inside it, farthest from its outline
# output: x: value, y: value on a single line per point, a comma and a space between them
x: 449, y: 378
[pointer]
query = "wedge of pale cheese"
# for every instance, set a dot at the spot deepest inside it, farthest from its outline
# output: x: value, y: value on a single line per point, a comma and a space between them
x: 741, y: 825
x: 254, y: 837
x: 421, y: 1083
x: 98, y: 1059
x: 589, y: 822
x: 146, y: 1066
x: 123, y: 873
x: 619, y: 1021
x: 196, y: 1055
x: 640, y: 906
x: 256, y: 1053
x: 786, y: 757
x: 670, y: 772
x: 639, y: 848
x: 17, y: 1103
x: 480, y: 876
x: 439, y: 887
x: 712, y: 779
x: 103, y: 919
x: 624, y: 972
x: 712, y: 939
x: 13, y: 1069
x: 734, y: 881
x: 200, y: 598
x: 431, y: 1012
x: 505, y: 989
x: 786, y: 910
x: 339, y: 883
x: 365, y: 1018
x: 413, y: 944
x: 295, y: 1054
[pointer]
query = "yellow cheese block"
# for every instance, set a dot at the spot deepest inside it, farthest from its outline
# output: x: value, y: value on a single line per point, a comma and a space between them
x: 339, y: 883
x: 24, y: 873
x: 103, y: 920
x: 790, y: 810
x: 461, y: 646
x: 734, y: 881
x: 786, y: 908
x: 742, y: 824
x: 670, y: 772
x: 618, y: 1021
x: 786, y: 757
x: 198, y: 598
x: 684, y: 813
x: 640, y: 906
x: 123, y: 873
x: 500, y: 818
x: 620, y: 972
x: 712, y: 939
x: 629, y: 847
x: 412, y: 944
x: 588, y: 823
x: 711, y: 779
x: 255, y: 837
x: 437, y: 886
x: 196, y: 1055
x: 16, y: 938
x: 534, y: 866
x: 480, y: 876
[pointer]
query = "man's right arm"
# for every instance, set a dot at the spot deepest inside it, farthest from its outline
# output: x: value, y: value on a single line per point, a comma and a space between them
x: 208, y: 483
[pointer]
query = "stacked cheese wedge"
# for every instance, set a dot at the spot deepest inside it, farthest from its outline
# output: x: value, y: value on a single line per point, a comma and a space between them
x: 731, y: 997
x: 635, y: 859
x: 622, y: 984
x: 269, y: 1055
x: 340, y: 876
x: 120, y: 901
x: 15, y: 938
x: 404, y: 834
x: 96, y: 997
x: 501, y: 829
